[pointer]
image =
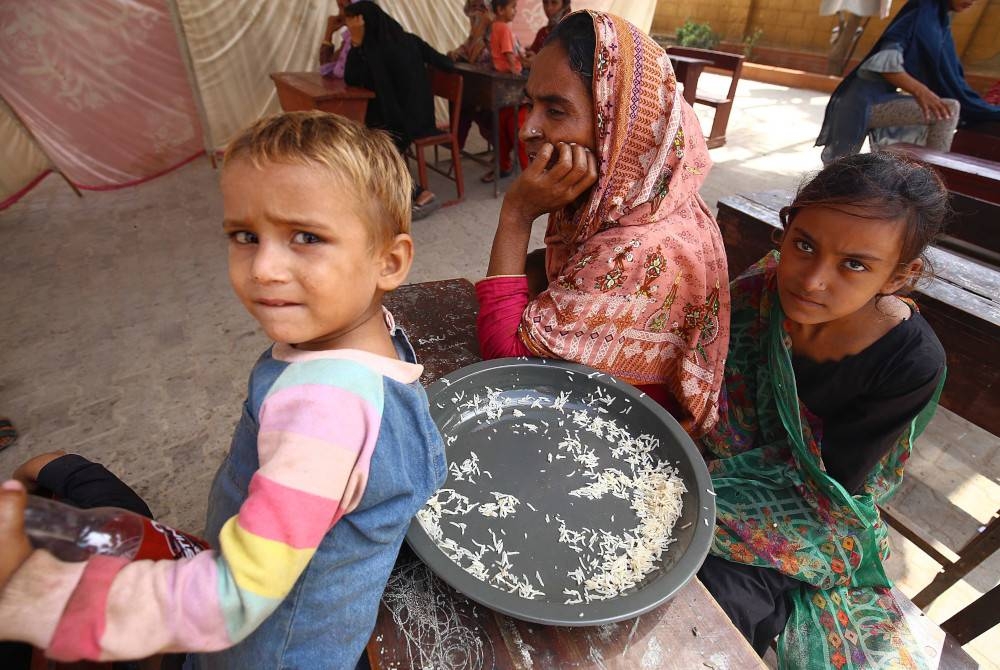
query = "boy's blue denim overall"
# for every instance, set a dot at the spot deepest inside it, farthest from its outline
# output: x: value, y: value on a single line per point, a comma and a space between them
x: 326, y: 620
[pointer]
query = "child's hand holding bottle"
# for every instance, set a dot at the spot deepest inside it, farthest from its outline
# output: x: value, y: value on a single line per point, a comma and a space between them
x: 14, y: 545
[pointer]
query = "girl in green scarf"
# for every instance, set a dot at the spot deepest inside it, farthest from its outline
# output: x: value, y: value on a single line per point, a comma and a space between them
x: 830, y: 378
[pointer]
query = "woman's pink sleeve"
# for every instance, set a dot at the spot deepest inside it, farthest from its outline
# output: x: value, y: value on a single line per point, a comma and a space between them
x: 501, y: 303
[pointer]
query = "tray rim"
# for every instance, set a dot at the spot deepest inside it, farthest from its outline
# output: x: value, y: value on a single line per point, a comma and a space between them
x: 682, y: 572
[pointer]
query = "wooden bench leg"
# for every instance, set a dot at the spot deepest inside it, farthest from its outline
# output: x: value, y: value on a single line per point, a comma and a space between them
x: 972, y: 554
x: 456, y: 164
x: 717, y: 137
x: 975, y: 619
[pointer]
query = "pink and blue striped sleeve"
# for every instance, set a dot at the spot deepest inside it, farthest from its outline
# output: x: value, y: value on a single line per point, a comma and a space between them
x: 318, y: 426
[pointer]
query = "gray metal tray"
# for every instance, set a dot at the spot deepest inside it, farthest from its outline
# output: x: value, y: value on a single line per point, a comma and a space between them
x: 518, y: 465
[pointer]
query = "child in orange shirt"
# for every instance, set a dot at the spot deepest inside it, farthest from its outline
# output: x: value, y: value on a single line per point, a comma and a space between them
x: 507, y: 57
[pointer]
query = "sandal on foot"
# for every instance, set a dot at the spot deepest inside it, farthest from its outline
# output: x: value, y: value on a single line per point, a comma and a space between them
x: 423, y: 211
x: 8, y: 434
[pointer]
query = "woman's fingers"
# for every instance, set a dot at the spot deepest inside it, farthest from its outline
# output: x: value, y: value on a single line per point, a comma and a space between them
x: 943, y: 109
x: 556, y: 177
x: 589, y: 176
x: 563, y: 163
x: 538, y: 166
x: 933, y: 107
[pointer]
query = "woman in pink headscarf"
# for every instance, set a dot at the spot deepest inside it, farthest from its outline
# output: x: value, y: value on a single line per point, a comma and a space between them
x: 634, y: 281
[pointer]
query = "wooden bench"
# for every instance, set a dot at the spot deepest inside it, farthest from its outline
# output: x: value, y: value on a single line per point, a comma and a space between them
x: 968, y: 175
x: 725, y: 63
x: 962, y: 304
x: 978, y: 139
x: 974, y: 183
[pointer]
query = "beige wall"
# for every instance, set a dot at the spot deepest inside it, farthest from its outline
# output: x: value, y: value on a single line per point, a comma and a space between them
x: 796, y: 25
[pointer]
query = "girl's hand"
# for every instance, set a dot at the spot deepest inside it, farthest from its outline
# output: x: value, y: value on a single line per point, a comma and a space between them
x: 932, y: 106
x: 356, y: 27
x: 543, y: 188
x: 16, y: 548
x: 333, y: 24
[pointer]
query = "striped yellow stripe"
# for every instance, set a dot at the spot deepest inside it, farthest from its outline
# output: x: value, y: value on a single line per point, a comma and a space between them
x: 263, y: 567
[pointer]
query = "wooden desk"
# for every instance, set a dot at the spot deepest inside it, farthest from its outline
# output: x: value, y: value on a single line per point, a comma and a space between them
x: 423, y: 623
x: 310, y: 90
x: 688, y: 70
x: 486, y: 88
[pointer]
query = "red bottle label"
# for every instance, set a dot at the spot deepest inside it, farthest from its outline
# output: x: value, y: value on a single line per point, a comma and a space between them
x: 159, y: 542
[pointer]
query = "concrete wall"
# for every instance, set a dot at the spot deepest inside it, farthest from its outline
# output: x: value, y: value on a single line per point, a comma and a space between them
x: 796, y: 25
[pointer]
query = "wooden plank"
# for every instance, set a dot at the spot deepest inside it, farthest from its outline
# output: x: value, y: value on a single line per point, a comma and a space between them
x: 976, y: 619
x: 680, y: 635
x: 978, y: 139
x: 440, y: 320
x: 968, y: 175
x: 941, y: 554
x: 941, y: 650
x: 974, y: 229
x: 977, y: 550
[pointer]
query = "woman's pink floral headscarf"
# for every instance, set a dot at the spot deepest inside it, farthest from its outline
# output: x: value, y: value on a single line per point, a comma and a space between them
x: 638, y: 284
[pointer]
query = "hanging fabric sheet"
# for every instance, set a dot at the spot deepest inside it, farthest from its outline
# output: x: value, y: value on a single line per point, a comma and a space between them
x: 101, y: 86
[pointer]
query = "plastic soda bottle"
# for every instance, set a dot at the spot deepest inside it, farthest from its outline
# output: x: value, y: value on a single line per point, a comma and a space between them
x: 73, y: 534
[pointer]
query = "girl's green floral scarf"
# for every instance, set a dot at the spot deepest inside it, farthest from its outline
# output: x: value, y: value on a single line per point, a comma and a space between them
x: 778, y: 508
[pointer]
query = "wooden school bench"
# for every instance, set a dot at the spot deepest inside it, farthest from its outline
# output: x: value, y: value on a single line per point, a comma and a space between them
x: 974, y: 184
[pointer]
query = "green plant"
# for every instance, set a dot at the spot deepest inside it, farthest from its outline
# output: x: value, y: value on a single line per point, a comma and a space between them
x: 750, y: 41
x: 697, y: 35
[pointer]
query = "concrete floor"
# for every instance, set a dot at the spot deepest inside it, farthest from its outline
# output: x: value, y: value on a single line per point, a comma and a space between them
x: 122, y: 341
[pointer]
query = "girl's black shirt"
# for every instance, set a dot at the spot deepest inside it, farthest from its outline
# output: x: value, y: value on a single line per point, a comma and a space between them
x: 865, y: 401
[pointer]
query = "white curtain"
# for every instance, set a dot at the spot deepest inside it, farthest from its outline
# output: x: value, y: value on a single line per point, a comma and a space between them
x: 230, y: 46
x: 20, y: 155
x: 235, y: 44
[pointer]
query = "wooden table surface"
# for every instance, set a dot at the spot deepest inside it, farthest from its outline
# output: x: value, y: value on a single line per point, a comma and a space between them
x: 423, y: 623
x: 310, y: 90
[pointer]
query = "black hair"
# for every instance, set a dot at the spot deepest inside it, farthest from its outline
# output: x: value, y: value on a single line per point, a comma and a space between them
x: 885, y: 185
x: 498, y: 4
x: 575, y: 34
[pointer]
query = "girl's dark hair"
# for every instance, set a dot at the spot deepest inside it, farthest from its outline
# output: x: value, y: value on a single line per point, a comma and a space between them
x: 887, y: 185
x: 575, y: 34
x: 497, y: 4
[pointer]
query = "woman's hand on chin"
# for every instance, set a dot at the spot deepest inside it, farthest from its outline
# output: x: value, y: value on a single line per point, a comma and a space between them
x: 556, y: 177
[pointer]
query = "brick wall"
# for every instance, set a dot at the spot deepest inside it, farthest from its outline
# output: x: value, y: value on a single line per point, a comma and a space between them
x: 796, y: 25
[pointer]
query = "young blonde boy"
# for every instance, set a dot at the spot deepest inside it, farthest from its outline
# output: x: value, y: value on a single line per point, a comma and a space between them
x: 333, y: 455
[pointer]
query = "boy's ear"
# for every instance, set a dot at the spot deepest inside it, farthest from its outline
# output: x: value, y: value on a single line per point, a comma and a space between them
x: 907, y: 275
x: 397, y: 257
